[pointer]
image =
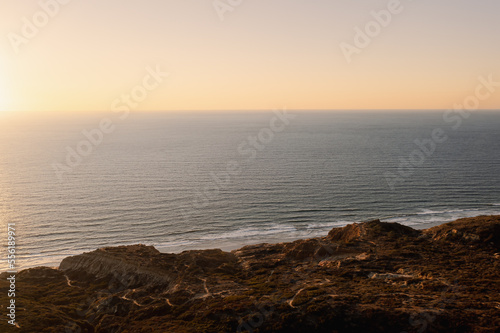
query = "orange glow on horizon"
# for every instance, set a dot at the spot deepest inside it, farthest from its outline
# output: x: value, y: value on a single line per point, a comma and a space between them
x: 291, y: 60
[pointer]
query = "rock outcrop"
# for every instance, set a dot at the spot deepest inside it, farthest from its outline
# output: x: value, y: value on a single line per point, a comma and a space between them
x: 365, y: 277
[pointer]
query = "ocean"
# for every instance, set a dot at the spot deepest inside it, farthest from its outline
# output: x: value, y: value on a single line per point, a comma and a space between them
x: 198, y: 180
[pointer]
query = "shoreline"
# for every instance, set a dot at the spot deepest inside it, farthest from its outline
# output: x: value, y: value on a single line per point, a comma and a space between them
x: 236, y: 243
x: 356, y: 278
x: 229, y: 244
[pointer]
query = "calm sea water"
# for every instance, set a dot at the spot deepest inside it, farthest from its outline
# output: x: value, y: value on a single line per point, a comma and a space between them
x: 162, y: 179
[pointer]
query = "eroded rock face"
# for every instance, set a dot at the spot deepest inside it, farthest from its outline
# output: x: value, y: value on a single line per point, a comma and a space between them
x: 371, y: 230
x: 483, y: 229
x: 365, y: 277
x: 130, y: 266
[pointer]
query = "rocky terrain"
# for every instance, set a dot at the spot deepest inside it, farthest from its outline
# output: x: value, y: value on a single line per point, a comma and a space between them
x: 365, y: 277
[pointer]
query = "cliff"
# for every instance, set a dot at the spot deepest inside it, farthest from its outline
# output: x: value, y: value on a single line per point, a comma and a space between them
x: 365, y: 277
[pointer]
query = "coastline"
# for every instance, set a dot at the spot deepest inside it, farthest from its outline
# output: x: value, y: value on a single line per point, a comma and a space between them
x: 356, y: 278
x: 288, y: 234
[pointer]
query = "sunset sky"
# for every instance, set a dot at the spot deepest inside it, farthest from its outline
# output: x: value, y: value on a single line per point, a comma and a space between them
x: 264, y: 54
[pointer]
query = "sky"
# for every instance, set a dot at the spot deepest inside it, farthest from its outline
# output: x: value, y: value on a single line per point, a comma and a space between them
x: 94, y: 55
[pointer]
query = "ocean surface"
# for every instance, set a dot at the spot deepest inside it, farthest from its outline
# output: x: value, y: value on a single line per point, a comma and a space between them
x: 183, y: 181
